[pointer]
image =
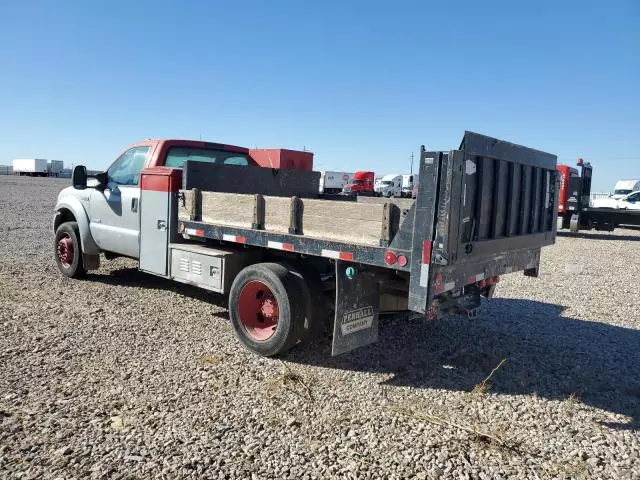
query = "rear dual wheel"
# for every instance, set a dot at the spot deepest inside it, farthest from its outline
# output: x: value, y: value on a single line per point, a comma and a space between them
x: 270, y: 306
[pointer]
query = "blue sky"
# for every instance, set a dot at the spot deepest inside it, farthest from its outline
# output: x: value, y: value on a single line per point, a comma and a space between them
x: 360, y: 83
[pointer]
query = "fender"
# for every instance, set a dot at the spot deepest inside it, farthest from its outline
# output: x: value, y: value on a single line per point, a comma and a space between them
x: 89, y: 246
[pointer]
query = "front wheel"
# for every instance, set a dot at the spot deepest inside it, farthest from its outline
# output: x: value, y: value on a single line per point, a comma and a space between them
x: 67, y: 251
x: 267, y: 308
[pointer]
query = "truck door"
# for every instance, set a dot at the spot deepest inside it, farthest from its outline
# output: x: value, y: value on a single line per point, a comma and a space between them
x: 631, y: 201
x: 115, y: 212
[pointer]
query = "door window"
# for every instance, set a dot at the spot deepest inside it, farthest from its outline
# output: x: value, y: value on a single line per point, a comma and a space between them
x: 126, y: 169
x: 634, y: 198
x: 176, y: 156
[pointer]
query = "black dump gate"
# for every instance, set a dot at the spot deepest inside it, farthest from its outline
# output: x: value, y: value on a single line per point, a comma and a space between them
x: 511, y: 194
x: 496, y: 207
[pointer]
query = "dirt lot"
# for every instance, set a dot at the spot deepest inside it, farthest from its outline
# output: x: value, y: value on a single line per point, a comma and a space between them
x: 123, y: 375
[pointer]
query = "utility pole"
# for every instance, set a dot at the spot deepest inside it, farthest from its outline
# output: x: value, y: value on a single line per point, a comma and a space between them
x: 411, y: 163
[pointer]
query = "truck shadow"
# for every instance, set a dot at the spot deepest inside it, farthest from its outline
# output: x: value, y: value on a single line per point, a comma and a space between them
x: 132, y: 277
x: 546, y: 354
x: 600, y: 236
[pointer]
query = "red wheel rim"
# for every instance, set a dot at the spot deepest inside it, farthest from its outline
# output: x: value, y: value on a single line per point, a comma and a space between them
x: 65, y: 250
x: 258, y: 310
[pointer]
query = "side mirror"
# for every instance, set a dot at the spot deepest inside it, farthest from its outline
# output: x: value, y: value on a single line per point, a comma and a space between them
x: 79, y: 177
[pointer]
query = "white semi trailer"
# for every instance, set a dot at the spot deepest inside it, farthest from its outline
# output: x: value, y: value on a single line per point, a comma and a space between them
x: 334, y: 182
x: 33, y: 167
x: 408, y: 182
x: 55, y: 167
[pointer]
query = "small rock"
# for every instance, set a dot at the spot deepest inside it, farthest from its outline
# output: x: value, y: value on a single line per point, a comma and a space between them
x: 117, y: 423
x: 66, y: 450
x: 593, y: 461
x: 133, y: 458
x: 436, y: 472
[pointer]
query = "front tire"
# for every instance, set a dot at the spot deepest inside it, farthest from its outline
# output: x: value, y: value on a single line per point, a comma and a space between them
x: 267, y: 308
x: 67, y: 250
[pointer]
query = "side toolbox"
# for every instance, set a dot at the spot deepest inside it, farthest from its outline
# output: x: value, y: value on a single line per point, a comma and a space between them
x: 158, y: 216
x: 208, y: 267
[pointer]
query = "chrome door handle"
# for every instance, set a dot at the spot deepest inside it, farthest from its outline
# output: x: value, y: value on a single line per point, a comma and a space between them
x: 134, y: 204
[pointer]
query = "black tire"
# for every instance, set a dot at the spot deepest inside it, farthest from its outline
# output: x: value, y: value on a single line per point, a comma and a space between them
x: 287, y: 291
x: 73, y: 267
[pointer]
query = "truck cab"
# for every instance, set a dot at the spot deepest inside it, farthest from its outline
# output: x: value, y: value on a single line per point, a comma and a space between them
x: 107, y: 216
x: 391, y: 186
x: 361, y: 184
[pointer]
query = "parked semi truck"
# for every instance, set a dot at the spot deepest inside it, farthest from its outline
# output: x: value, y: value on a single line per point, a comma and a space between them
x: 576, y: 210
x: 32, y: 167
x: 362, y: 183
x: 391, y: 186
x: 292, y: 263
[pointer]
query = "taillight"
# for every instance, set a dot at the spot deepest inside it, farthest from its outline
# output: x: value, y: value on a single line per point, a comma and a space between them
x: 402, y: 260
x: 390, y: 257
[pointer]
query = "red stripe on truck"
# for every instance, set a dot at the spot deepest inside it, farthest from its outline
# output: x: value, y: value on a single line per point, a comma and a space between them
x: 336, y: 254
x: 426, y: 252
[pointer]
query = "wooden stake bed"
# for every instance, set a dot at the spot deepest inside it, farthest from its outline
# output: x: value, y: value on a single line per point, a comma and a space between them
x: 361, y: 223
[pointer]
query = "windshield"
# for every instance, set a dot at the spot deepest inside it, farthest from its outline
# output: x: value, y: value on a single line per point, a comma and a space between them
x: 622, y: 191
x: 387, y: 182
x: 357, y: 182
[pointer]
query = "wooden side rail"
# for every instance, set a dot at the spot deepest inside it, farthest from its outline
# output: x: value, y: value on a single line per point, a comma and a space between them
x: 361, y: 223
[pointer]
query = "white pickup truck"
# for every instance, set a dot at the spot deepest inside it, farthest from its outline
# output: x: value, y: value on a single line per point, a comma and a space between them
x: 291, y: 262
x: 630, y: 201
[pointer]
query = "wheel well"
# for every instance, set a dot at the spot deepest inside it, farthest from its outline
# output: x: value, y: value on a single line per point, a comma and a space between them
x: 64, y: 215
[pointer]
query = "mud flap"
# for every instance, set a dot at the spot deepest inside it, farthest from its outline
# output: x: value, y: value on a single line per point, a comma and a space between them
x: 357, y: 309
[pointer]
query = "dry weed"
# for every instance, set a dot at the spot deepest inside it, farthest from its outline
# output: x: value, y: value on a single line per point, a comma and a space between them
x: 482, y: 388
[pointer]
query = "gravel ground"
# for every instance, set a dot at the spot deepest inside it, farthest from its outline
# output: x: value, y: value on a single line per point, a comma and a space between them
x: 124, y: 375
